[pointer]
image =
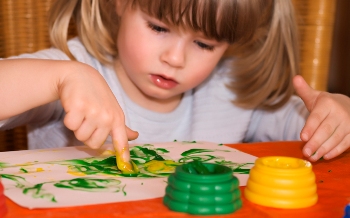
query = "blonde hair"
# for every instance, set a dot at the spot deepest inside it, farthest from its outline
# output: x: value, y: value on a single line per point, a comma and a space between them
x: 262, y: 34
x: 95, y: 21
x: 265, y: 66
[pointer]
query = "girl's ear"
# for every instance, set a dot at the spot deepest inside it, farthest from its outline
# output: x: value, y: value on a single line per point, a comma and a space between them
x: 119, y: 5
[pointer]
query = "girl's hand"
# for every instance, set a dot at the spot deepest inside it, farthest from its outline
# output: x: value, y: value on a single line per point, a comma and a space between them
x: 92, y: 111
x: 327, y: 129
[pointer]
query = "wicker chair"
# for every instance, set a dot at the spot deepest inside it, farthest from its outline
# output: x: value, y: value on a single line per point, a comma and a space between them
x: 23, y: 29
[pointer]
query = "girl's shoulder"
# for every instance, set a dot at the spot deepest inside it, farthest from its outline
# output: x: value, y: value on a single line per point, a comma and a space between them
x: 79, y: 51
x: 81, y: 54
x: 76, y: 46
x: 49, y: 53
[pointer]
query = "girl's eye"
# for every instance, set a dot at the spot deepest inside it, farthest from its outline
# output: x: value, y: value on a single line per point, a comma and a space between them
x: 204, y: 46
x: 156, y: 28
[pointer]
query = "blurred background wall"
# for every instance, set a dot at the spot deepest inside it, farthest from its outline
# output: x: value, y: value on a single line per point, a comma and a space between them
x: 339, y: 72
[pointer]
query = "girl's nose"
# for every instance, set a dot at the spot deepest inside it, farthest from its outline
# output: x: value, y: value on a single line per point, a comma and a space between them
x: 174, y: 55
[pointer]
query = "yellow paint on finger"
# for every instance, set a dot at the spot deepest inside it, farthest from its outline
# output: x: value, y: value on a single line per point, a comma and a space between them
x: 108, y: 152
x: 125, y: 167
x: 39, y: 169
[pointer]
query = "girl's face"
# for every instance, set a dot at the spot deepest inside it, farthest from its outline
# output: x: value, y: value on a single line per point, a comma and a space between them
x: 159, y: 62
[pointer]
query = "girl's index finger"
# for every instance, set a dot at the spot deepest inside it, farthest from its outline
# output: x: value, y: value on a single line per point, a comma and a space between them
x: 122, y: 153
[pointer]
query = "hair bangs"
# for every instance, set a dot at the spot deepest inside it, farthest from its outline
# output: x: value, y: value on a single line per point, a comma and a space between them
x: 216, y: 19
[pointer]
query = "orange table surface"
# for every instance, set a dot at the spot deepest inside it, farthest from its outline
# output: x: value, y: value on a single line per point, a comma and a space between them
x: 332, y: 178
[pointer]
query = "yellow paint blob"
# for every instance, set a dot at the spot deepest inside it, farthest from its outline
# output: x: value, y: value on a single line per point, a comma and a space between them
x: 156, y: 166
x: 74, y: 173
x: 25, y: 164
x: 39, y: 169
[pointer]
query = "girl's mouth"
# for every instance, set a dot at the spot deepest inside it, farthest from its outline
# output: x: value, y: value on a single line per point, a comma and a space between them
x: 162, y: 82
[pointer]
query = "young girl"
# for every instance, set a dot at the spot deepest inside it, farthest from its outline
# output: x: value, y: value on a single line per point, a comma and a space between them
x: 205, y: 70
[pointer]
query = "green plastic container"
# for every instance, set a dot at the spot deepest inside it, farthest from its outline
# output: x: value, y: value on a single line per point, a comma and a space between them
x: 203, y: 189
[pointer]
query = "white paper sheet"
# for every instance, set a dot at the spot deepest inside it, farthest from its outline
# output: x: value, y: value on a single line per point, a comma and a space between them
x: 75, y: 176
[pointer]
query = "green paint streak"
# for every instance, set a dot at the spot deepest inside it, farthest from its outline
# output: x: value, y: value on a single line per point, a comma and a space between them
x: 198, y: 150
x: 80, y: 184
x: 203, y: 158
x: 240, y: 168
x: 3, y: 165
x: 37, y: 191
x: 23, y: 170
x: 145, y: 153
x: 163, y: 150
x: 123, y: 189
x: 20, y: 181
x: 93, y: 166
x: 241, y: 171
x: 90, y: 184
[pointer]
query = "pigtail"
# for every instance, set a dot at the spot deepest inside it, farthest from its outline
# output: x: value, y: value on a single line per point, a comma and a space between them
x: 265, y: 66
x: 95, y: 22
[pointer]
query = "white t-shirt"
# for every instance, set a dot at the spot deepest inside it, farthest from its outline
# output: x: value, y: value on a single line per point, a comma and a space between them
x: 205, y: 113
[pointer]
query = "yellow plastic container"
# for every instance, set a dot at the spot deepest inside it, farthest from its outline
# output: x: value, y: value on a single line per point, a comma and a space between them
x: 282, y: 182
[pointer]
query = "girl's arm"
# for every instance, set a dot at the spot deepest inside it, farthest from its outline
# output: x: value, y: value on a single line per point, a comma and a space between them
x: 327, y: 129
x: 29, y: 83
x: 92, y: 111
